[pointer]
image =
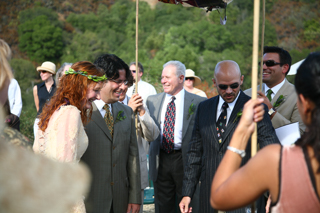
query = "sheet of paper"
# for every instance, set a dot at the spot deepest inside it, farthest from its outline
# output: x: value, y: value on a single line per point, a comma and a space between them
x: 288, y: 134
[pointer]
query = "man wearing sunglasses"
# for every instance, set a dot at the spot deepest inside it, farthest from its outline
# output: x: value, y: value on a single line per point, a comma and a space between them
x: 278, y: 94
x: 215, y: 122
x: 144, y: 89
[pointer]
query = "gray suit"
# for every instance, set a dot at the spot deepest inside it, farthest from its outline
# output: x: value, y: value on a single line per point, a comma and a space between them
x: 288, y: 111
x: 155, y: 105
x: 114, y: 162
x: 205, y: 153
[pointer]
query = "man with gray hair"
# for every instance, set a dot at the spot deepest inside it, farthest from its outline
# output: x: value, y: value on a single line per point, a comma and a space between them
x: 173, y: 111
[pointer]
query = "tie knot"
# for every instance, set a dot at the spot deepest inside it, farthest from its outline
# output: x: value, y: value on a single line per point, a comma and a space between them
x: 106, y: 107
x: 225, y: 105
x: 269, y: 92
x: 173, y: 98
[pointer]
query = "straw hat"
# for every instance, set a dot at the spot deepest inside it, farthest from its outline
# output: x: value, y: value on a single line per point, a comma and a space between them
x: 47, y: 66
x: 190, y: 74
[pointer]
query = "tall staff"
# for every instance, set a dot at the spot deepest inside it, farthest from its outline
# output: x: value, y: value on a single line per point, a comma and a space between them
x: 137, y: 67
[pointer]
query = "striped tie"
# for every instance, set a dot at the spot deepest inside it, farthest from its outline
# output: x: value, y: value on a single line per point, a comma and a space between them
x: 108, y: 118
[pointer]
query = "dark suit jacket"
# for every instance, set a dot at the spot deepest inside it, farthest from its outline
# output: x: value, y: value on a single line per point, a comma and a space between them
x: 205, y: 153
x: 114, y: 162
x: 155, y: 104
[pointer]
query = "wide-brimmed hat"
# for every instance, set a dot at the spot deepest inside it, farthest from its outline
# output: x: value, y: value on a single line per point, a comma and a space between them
x: 190, y: 74
x: 47, y: 66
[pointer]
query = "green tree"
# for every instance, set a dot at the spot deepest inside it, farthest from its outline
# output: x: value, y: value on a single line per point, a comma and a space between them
x: 41, y: 40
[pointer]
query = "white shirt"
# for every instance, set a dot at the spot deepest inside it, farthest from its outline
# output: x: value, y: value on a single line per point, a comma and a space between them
x: 179, y: 102
x: 14, y: 96
x: 274, y: 89
x: 100, y: 103
x: 229, y: 109
x: 144, y: 90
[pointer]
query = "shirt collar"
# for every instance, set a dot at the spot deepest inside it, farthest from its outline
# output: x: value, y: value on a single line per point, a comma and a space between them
x: 179, y: 96
x: 100, y: 103
x: 231, y: 105
x: 274, y: 89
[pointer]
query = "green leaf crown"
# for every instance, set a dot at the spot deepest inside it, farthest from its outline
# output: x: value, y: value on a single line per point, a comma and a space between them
x: 94, y: 78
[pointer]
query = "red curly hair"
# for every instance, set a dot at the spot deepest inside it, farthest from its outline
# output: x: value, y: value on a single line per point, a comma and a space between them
x: 72, y: 90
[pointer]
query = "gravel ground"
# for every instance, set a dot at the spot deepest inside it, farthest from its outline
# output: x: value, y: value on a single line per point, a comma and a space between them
x: 148, y: 208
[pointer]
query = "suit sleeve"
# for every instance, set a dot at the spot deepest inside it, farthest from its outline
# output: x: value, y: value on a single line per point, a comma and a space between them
x: 134, y: 167
x: 192, y: 169
x: 266, y: 132
x: 278, y: 120
x: 149, y: 128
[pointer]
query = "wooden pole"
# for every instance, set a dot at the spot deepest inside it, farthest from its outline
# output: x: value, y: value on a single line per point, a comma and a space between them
x: 254, y: 79
x: 137, y: 67
x: 262, y: 40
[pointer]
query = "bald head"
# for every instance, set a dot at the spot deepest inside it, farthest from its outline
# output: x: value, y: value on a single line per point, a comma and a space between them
x: 227, y: 67
x: 227, y: 79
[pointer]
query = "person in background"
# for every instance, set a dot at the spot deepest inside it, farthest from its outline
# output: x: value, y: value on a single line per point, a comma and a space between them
x: 144, y: 89
x: 14, y: 96
x: 61, y: 71
x: 290, y: 173
x: 61, y: 134
x: 147, y: 131
x: 191, y: 80
x: 44, y: 91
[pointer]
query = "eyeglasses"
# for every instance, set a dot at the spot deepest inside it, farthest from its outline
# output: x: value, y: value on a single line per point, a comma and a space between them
x: 119, y: 82
x: 270, y: 63
x: 232, y: 86
x: 189, y: 78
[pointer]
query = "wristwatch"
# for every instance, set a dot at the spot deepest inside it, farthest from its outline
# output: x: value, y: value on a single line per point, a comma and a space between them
x: 271, y: 111
x: 242, y: 153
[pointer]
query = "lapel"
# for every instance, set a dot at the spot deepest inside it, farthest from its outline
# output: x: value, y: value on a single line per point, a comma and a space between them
x: 98, y: 119
x: 231, y: 124
x: 157, y: 111
x: 188, y: 99
x: 282, y: 91
x: 213, y: 108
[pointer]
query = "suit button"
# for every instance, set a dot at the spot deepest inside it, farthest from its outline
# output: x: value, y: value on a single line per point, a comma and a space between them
x: 111, y: 183
x: 220, y: 153
x: 114, y: 165
x: 114, y: 147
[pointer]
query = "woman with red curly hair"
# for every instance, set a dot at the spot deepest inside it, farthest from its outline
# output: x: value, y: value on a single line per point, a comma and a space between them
x: 61, y: 135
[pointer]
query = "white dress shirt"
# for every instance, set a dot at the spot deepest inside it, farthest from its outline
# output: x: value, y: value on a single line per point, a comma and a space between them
x: 274, y: 89
x: 14, y: 96
x: 100, y: 103
x: 229, y: 109
x: 144, y: 90
x: 179, y: 102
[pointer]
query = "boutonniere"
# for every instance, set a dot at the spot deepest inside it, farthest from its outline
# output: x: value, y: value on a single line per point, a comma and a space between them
x: 120, y: 116
x: 192, y: 108
x: 279, y: 101
x: 238, y: 115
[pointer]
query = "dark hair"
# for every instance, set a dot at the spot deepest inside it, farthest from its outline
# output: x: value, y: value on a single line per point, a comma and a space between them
x: 111, y: 64
x: 284, y: 55
x: 139, y: 65
x: 307, y: 83
x: 72, y: 90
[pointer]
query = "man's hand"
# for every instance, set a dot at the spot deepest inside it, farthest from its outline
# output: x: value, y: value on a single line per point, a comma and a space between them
x: 133, y: 208
x: 135, y: 102
x: 184, y: 205
x: 265, y: 99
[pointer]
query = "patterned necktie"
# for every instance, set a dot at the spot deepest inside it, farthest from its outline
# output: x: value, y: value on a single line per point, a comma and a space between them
x: 168, y: 127
x: 108, y: 118
x: 269, y: 92
x: 134, y: 89
x: 222, y: 121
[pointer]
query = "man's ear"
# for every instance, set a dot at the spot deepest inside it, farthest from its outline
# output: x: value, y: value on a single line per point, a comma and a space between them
x: 214, y: 82
x: 181, y: 77
x: 241, y: 80
x: 285, y: 68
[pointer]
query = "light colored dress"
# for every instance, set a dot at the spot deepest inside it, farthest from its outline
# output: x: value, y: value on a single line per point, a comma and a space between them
x: 64, y: 139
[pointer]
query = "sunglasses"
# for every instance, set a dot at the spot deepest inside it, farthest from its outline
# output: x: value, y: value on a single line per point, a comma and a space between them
x: 189, y: 78
x: 232, y: 86
x: 270, y: 63
x: 42, y: 71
